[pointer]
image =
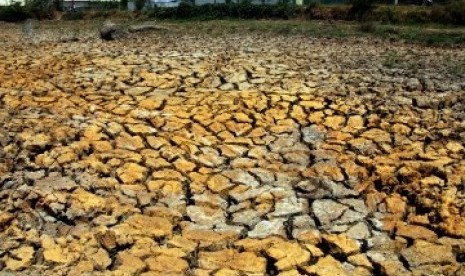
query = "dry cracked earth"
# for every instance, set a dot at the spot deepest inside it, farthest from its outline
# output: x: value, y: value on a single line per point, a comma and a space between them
x: 244, y: 154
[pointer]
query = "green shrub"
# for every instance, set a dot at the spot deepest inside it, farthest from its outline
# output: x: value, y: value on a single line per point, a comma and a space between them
x: 389, y: 15
x: 367, y: 27
x: 107, y: 5
x: 310, y: 10
x: 13, y: 13
x: 361, y: 10
x: 186, y: 10
x: 340, y: 13
x: 73, y: 15
x: 418, y: 16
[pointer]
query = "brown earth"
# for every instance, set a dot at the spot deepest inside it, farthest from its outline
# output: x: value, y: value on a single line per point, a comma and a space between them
x: 174, y: 154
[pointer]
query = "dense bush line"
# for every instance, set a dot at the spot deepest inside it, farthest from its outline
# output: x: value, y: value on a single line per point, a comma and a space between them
x: 38, y: 9
x: 14, y: 13
x: 362, y: 10
x: 219, y: 11
x: 452, y: 13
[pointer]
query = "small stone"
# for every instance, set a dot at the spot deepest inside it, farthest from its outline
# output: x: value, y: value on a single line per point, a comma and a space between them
x: 357, y: 204
x: 327, y: 210
x: 293, y: 272
x: 267, y: 228
x: 288, y: 206
x: 309, y: 237
x: 157, y: 142
x: 108, y: 240
x: 377, y: 135
x: 247, y: 262
x: 53, y: 252
x: 128, y: 263
x: 314, y: 250
x: 302, y: 224
x: 140, y: 129
x: 354, y: 123
x: 416, y: 232
x: 288, y: 255
x: 210, y: 238
x: 360, y: 260
x: 84, y: 203
x: 50, y: 184
x: 326, y: 266
x: 434, y: 269
x: 247, y: 217
x: 396, y: 205
x: 328, y: 170
x: 454, y: 225
x: 219, y: 183
x: 81, y: 268
x: 227, y: 87
x: 313, y: 134
x: 454, y: 147
x: 389, y: 266
x: 312, y: 104
x: 184, y: 165
x: 167, y: 264
x: 5, y: 218
x: 126, y: 141
x: 105, y: 220
x: 167, y: 174
x: 334, y: 122
x: 142, y: 226
x: 341, y: 244
x: 413, y: 84
x: 40, y: 140
x: 20, y: 258
x: 210, y: 158
x: 425, y: 253
x: 182, y: 243
x: 101, y: 259
x: 241, y: 177
x: 131, y: 173
x: 205, y: 215
x: 359, y: 231
x: 151, y: 104
x: 429, y: 181
x: 137, y: 91
x: 111, y: 31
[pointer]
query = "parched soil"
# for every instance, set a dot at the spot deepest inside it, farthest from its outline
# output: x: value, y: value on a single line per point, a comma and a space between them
x: 179, y: 153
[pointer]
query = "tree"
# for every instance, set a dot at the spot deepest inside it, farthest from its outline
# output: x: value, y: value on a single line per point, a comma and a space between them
x: 41, y: 9
x: 139, y: 4
x: 361, y: 8
x: 123, y: 4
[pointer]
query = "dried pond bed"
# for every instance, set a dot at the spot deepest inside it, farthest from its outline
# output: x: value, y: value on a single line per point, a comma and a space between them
x: 172, y: 154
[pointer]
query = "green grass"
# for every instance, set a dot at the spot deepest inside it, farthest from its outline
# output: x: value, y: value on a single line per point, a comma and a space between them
x: 437, y: 36
x: 430, y: 35
x: 433, y: 35
x: 392, y: 60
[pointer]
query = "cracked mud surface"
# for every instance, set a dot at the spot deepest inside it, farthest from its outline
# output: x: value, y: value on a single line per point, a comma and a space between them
x: 166, y: 154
